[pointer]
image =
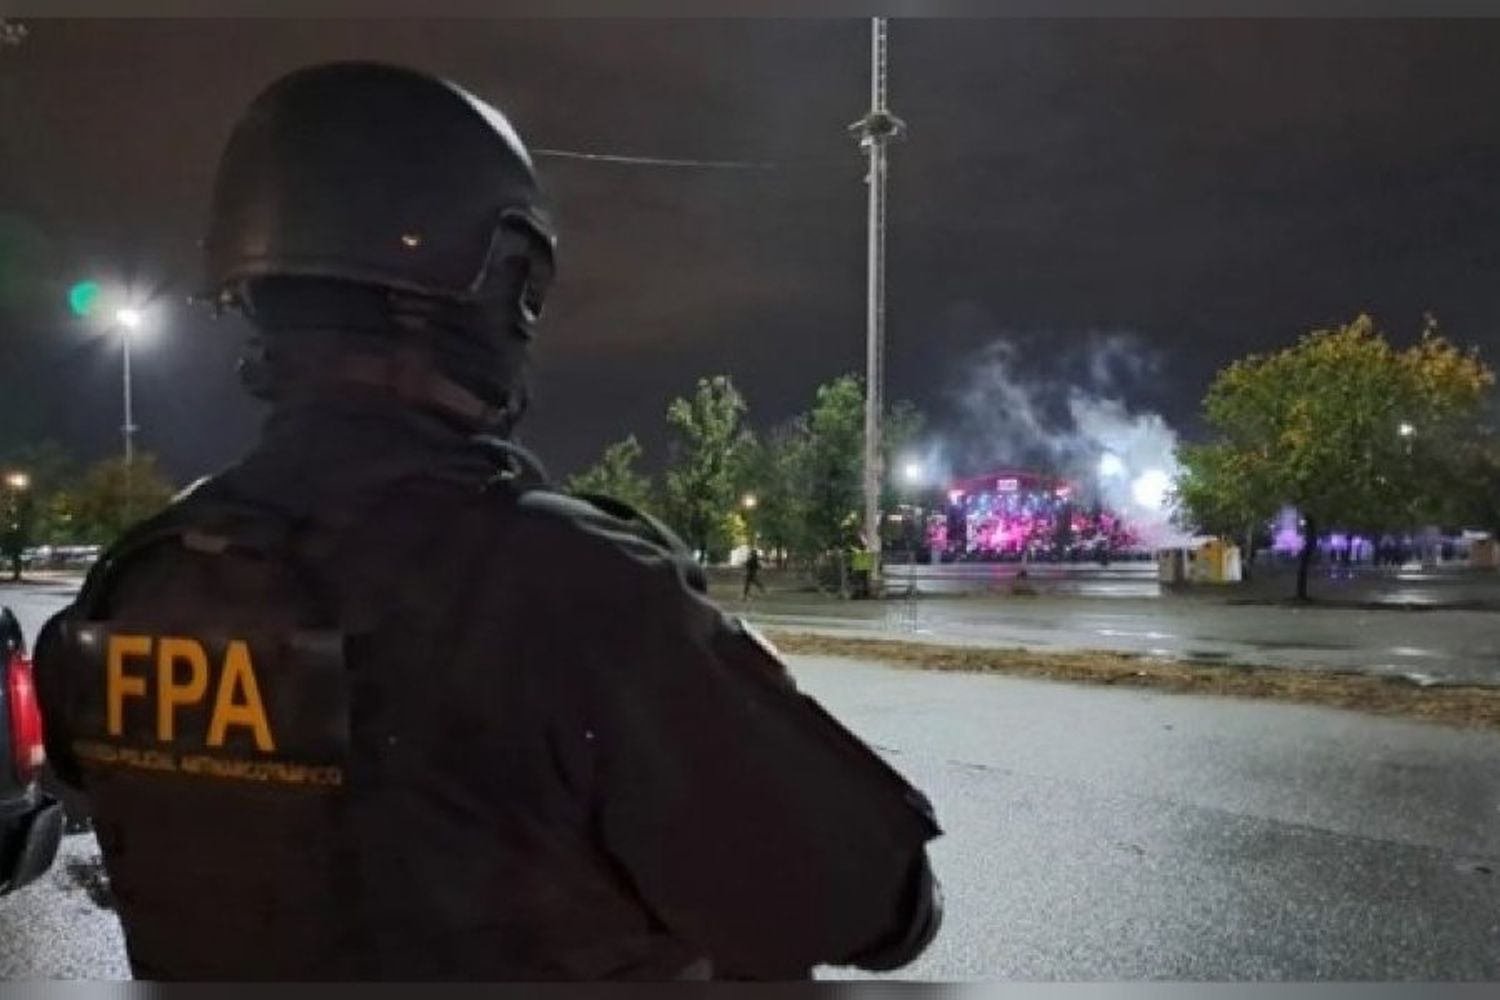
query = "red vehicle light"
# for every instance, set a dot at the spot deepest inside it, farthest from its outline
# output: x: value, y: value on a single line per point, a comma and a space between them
x: 27, y: 751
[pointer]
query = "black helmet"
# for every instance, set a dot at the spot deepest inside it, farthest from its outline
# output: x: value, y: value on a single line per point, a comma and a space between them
x: 369, y: 173
x: 380, y: 177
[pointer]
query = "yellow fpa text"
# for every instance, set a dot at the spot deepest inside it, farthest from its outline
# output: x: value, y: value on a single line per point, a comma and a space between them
x: 180, y: 671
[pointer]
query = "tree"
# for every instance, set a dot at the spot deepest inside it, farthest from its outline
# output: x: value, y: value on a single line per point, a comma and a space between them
x: 1214, y: 494
x: 51, y: 472
x: 615, y: 475
x: 1476, y: 500
x: 700, y: 482
x: 1342, y: 426
x: 834, y: 461
x: 17, y: 519
x: 113, y: 495
x: 771, y: 471
x: 833, y: 465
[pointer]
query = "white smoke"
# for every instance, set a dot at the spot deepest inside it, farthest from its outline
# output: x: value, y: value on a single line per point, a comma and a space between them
x: 1068, y: 414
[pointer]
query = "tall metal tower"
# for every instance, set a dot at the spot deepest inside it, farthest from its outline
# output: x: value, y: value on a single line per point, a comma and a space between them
x: 874, y: 131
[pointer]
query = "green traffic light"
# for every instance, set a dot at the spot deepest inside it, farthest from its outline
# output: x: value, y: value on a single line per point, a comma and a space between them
x: 82, y: 296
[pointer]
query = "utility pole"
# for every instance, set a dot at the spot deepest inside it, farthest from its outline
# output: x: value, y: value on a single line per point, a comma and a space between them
x: 128, y: 428
x: 127, y: 322
x: 875, y: 130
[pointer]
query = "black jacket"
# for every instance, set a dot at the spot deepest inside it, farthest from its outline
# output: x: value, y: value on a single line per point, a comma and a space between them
x: 551, y: 756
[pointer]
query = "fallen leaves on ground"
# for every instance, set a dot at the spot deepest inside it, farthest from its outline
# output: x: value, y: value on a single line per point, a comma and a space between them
x: 1469, y: 705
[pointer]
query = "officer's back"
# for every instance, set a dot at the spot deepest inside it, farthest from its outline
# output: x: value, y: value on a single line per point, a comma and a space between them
x: 370, y: 703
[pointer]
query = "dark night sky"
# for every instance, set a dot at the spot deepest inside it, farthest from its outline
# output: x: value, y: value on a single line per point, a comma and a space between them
x: 1215, y: 187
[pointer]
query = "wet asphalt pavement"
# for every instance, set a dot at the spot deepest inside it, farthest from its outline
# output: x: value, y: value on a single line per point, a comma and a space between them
x: 56, y: 928
x: 1109, y: 834
x: 1114, y: 835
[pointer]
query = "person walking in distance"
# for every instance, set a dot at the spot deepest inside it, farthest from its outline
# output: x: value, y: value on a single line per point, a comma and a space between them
x: 752, y: 574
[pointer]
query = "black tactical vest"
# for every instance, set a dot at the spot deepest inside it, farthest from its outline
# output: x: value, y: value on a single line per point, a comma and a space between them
x: 245, y: 694
x: 203, y: 678
x: 375, y: 704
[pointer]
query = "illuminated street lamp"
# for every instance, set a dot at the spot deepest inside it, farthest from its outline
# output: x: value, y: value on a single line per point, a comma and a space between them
x: 914, y: 475
x: 748, y: 503
x: 128, y: 320
x: 18, y: 481
x: 1406, y: 430
x: 89, y: 299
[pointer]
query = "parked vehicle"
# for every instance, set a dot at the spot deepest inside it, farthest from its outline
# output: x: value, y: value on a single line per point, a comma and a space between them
x: 30, y: 820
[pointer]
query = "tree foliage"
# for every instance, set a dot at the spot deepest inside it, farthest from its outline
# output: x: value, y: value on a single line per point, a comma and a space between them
x: 52, y: 475
x: 834, y: 461
x: 1213, y: 493
x: 705, y: 434
x: 797, y: 492
x: 1476, y: 501
x: 615, y: 475
x: 112, y: 495
x: 17, y: 518
x: 62, y: 504
x: 771, y: 471
x: 833, y: 465
x: 1351, y: 431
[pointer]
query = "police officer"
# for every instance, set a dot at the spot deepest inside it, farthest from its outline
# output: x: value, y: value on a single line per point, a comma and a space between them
x: 370, y: 703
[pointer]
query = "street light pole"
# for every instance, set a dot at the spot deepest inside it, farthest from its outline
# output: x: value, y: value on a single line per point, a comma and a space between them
x: 128, y: 321
x: 129, y: 427
x: 875, y: 130
x: 875, y: 332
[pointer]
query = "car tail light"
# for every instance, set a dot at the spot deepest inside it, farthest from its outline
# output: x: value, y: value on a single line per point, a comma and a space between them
x: 27, y: 751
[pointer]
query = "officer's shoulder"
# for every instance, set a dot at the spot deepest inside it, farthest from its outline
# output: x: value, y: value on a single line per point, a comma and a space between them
x: 172, y: 516
x: 204, y: 492
x: 555, y: 504
x: 596, y: 522
x: 608, y: 535
x: 198, y: 488
x: 584, y: 518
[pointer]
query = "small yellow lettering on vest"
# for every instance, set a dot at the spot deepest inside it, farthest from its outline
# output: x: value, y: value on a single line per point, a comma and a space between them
x: 170, y: 693
x: 237, y: 702
x: 90, y: 750
x: 117, y: 683
x: 156, y: 760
